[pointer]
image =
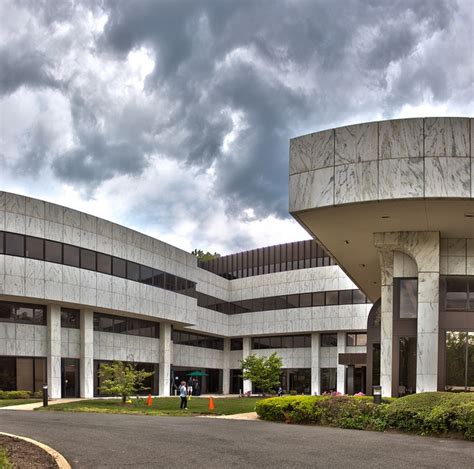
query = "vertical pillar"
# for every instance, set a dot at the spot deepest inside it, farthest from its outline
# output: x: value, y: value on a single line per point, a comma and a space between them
x: 341, y: 369
x: 87, y: 353
x: 165, y: 359
x: 226, y: 368
x: 54, y: 351
x: 246, y: 351
x: 315, y: 368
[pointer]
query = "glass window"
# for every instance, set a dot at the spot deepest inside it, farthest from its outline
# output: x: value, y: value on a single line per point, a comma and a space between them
x: 358, y: 297
x: 275, y: 342
x: 53, y: 251
x: 120, y: 325
x: 1, y: 241
x: 318, y: 298
x: 146, y: 275
x: 170, y: 282
x: 71, y: 255
x: 280, y: 302
x: 88, y: 259
x: 34, y: 248
x: 269, y: 303
x: 70, y: 318
x: 7, y: 312
x: 119, y: 267
x: 236, y: 344
x: 408, y: 298
x: 180, y: 284
x: 332, y: 298
x: 305, y: 300
x: 350, y: 340
x: 158, y: 278
x: 293, y: 301
x: 298, y: 341
x: 345, y: 297
x: 133, y: 271
x: 328, y: 380
x: 287, y: 341
x: 471, y: 294
x: 407, y: 366
x: 24, y: 314
x: 104, y: 263
x: 328, y: 340
x: 361, y: 339
x: 14, y: 244
x: 456, y: 293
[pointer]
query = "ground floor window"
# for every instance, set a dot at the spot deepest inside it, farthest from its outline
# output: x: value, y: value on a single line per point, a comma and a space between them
x: 355, y: 379
x: 328, y: 380
x: 22, y: 374
x: 151, y: 383
x: 459, y: 361
x: 203, y: 380
x: 236, y: 382
x: 407, y: 366
x: 296, y: 380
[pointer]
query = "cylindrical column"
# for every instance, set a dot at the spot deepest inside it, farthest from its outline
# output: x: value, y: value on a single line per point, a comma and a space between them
x: 54, y: 351
x: 315, y: 368
x: 87, y: 353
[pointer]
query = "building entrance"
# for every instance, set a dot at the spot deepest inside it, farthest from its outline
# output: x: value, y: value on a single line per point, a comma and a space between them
x: 69, y: 377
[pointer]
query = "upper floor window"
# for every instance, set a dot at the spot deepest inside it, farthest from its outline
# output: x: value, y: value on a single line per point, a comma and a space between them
x: 328, y: 340
x: 459, y: 293
x: 356, y: 339
x: 70, y: 318
x: 408, y: 298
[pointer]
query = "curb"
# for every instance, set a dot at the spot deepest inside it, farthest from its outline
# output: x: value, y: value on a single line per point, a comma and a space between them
x: 58, y: 457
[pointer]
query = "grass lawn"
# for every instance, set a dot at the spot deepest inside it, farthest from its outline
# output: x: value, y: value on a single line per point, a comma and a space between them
x: 161, y: 406
x: 9, y: 402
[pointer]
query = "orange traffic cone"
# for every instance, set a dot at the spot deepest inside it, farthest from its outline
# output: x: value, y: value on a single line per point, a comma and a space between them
x: 211, y: 403
x: 149, y: 402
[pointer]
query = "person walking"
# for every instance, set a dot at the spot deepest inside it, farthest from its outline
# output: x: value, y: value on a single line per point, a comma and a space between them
x: 183, y: 394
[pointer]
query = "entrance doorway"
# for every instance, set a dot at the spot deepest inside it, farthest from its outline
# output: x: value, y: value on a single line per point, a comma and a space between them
x: 69, y: 377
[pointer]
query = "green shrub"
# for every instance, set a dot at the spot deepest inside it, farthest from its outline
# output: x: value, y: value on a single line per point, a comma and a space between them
x: 15, y: 394
x: 434, y: 413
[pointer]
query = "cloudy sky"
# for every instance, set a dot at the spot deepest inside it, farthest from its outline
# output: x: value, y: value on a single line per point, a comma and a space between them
x: 173, y: 116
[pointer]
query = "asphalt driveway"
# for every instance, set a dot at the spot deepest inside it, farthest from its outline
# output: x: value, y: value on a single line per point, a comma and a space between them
x: 120, y: 441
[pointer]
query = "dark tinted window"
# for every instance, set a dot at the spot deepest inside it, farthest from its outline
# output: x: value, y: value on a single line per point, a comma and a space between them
x: 71, y: 255
x: 146, y: 275
x: 22, y: 313
x: 7, y: 312
x: 158, y: 278
x: 236, y: 344
x: 456, y: 293
x: 332, y: 297
x: 104, y: 263
x: 133, y: 271
x: 345, y: 297
x: 118, y: 267
x: 305, y: 300
x: 1, y: 242
x: 34, y: 248
x: 170, y: 282
x: 53, y: 251
x: 358, y: 297
x: 14, y: 244
x: 70, y: 318
x: 88, y: 259
x: 293, y: 301
x: 408, y: 298
x: 328, y: 340
x: 318, y: 298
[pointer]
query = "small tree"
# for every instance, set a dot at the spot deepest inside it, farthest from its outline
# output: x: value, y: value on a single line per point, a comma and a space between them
x: 263, y: 372
x: 120, y: 379
x: 205, y: 256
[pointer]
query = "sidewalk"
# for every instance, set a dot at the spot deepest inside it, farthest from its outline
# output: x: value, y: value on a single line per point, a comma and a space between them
x: 245, y: 416
x: 35, y: 405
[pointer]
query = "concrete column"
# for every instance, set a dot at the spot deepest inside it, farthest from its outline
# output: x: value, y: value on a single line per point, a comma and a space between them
x: 165, y: 359
x: 315, y: 367
x: 341, y: 369
x: 246, y: 351
x: 54, y: 351
x: 87, y: 353
x: 226, y: 368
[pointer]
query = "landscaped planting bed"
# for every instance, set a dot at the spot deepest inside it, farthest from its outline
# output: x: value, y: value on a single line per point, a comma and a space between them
x: 435, y: 413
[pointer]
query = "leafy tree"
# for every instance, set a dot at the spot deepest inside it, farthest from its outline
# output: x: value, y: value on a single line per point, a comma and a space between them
x: 262, y: 371
x: 120, y: 379
x: 205, y: 256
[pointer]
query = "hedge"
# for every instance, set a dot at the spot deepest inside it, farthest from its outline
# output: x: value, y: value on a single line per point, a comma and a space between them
x: 425, y: 414
x: 20, y: 394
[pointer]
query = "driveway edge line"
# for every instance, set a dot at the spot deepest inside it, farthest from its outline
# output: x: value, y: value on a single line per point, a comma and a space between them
x: 57, y: 456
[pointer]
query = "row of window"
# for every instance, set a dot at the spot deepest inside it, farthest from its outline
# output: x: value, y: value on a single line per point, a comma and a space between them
x: 14, y: 244
x: 459, y: 293
x: 197, y: 340
x: 285, y: 341
x: 70, y: 318
x: 122, y: 325
x: 279, y: 258
x: 22, y: 313
x: 356, y: 339
x: 300, y: 300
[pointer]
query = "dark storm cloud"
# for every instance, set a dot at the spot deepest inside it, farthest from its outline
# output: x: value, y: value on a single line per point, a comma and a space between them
x: 280, y: 68
x: 21, y: 66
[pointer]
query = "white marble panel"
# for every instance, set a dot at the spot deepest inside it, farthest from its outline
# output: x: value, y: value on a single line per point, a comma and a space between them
x: 53, y: 272
x: 3, y: 196
x: 88, y: 240
x: 447, y: 136
x: 2, y: 220
x: 401, y: 178
x: 15, y: 203
x: 104, y: 299
x: 71, y: 275
x: 313, y: 151
x: 34, y: 226
x: 34, y: 208
x: 470, y: 247
x: 34, y: 288
x: 15, y: 222
x: 71, y: 235
x: 356, y: 182
x: 72, y: 217
x: 104, y: 228
x: 447, y: 177
x: 71, y: 293
x: 53, y: 213
x: 88, y: 278
x: 53, y: 231
x: 470, y: 266
x: 356, y: 143
x: 457, y: 265
x: 119, y: 233
x: 456, y: 247
x: 14, y: 285
x: 104, y: 244
x: 312, y: 189
x: 14, y: 266
x: 53, y: 290
x: 88, y: 222
x: 401, y: 138
x: 88, y: 296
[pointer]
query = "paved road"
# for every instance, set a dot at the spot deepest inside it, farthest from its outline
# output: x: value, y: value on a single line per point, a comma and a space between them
x: 121, y: 441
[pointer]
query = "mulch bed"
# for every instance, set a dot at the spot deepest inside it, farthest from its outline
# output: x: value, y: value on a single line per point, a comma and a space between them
x: 24, y: 455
